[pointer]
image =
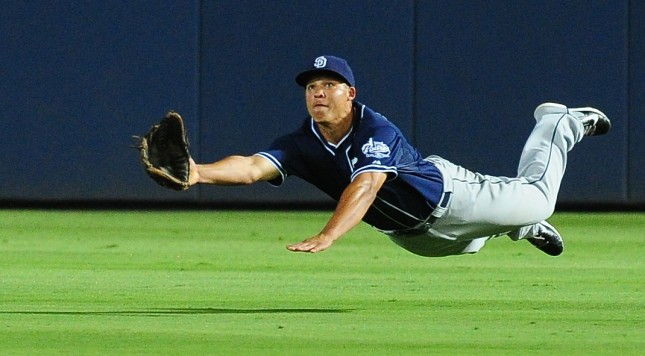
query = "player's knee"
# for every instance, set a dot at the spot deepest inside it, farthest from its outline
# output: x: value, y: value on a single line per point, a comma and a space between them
x: 426, y: 246
x: 546, y: 212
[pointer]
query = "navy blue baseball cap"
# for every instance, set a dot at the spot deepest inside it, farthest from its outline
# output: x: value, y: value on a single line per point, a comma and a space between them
x: 327, y: 65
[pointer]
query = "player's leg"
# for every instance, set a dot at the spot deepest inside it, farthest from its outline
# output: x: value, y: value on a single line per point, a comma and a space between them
x: 430, y: 245
x: 544, y: 157
x: 587, y: 122
x: 484, y: 205
x: 557, y: 130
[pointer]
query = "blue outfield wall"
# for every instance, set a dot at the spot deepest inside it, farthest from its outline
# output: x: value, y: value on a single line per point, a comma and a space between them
x: 461, y: 79
x: 81, y: 77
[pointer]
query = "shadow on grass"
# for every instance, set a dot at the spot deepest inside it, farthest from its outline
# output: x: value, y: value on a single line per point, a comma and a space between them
x: 182, y: 311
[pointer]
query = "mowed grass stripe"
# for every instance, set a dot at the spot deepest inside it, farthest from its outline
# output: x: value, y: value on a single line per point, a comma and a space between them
x: 204, y: 282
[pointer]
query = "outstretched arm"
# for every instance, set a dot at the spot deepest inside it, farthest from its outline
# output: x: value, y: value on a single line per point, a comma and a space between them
x: 352, y: 206
x: 233, y: 170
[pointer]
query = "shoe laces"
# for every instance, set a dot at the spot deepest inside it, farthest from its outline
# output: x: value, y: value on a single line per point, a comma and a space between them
x: 589, y: 123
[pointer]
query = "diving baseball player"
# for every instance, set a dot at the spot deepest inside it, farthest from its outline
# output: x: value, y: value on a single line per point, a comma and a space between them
x: 427, y: 205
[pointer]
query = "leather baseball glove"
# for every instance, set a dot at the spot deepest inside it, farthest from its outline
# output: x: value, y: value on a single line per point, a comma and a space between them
x: 164, y: 152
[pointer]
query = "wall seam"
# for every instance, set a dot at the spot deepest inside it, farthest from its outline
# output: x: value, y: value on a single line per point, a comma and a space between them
x: 199, y: 84
x: 628, y: 121
x: 415, y: 126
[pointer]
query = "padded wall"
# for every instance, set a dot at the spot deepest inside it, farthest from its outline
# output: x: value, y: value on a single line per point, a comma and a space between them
x: 460, y: 78
x: 79, y: 79
x: 481, y: 71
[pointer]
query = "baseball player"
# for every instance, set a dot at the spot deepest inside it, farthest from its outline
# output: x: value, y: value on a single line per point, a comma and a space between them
x: 427, y: 205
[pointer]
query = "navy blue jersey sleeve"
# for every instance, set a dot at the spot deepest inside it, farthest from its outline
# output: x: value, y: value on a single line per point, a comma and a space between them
x: 377, y: 150
x: 278, y: 154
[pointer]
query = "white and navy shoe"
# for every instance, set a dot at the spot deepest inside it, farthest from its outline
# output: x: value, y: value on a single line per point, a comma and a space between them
x: 547, y: 239
x: 595, y: 122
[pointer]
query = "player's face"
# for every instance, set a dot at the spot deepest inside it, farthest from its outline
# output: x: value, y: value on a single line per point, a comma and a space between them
x: 328, y: 99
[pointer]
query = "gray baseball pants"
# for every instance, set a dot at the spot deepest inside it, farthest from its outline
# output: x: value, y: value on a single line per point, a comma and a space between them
x: 483, y: 206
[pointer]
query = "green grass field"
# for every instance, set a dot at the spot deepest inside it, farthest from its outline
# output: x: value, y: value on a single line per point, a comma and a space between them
x: 222, y: 282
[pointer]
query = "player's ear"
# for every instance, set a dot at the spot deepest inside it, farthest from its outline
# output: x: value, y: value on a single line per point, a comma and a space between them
x: 351, y: 93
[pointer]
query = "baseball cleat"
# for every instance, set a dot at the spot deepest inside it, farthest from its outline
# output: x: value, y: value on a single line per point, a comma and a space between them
x: 549, y: 109
x: 547, y: 239
x: 594, y: 121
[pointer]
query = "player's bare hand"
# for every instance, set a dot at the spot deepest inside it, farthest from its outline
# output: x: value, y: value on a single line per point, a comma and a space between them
x: 315, y: 244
